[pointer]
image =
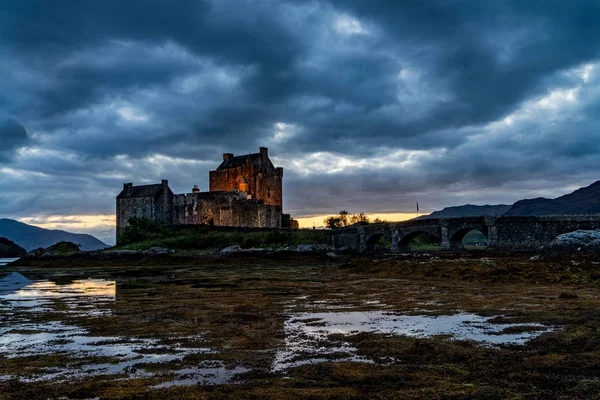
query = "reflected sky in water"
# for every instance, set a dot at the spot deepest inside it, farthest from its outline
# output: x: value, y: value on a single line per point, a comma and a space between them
x: 85, y: 287
x: 22, y: 334
x: 307, y: 333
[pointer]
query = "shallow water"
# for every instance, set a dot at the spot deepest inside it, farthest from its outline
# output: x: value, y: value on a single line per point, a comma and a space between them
x: 22, y: 300
x: 307, y: 333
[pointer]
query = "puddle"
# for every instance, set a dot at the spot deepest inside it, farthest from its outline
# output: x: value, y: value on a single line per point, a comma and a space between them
x: 23, y: 300
x: 4, y: 261
x: 307, y: 333
x: 208, y: 373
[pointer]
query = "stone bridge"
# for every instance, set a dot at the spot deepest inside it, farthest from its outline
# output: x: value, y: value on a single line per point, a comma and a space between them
x: 502, y: 233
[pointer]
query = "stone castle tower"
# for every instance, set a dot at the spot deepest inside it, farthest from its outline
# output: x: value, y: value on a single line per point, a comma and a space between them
x: 253, y: 174
x: 245, y: 191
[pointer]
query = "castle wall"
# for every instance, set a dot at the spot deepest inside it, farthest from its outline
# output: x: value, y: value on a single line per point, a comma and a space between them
x: 245, y: 191
x: 139, y: 207
x: 157, y: 206
x: 224, y: 209
x: 263, y: 183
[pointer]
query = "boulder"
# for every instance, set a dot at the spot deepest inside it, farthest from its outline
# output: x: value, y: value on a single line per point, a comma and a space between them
x: 586, y: 240
x: 159, y: 251
x: 230, y: 249
x: 305, y: 248
x: 117, y: 253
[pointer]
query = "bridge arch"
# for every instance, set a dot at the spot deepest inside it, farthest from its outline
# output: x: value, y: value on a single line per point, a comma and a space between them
x: 502, y: 232
x: 405, y: 240
x: 373, y: 239
x: 456, y: 239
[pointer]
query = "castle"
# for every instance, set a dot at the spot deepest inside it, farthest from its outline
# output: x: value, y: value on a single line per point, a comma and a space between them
x: 244, y: 191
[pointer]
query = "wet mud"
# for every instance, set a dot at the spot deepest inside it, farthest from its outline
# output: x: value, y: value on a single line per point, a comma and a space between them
x: 349, y: 327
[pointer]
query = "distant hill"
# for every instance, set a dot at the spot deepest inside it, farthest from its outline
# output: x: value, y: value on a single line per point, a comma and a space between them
x: 468, y: 210
x: 32, y: 237
x: 582, y: 201
x: 585, y: 200
x: 9, y: 249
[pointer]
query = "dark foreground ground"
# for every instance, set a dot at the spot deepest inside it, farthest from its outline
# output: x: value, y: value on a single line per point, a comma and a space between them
x: 238, y: 306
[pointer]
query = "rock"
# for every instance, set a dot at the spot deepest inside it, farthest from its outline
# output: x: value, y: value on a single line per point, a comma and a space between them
x: 305, y: 248
x: 535, y: 258
x: 586, y: 240
x: 230, y: 249
x: 159, y: 251
x: 120, y: 252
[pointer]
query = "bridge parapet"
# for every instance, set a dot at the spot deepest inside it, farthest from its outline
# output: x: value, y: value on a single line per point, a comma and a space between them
x: 502, y: 232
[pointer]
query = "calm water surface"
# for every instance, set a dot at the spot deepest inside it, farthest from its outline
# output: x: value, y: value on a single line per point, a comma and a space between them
x: 24, y: 301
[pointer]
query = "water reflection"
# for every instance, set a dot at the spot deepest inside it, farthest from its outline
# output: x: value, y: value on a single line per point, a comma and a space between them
x: 307, y: 334
x: 87, y: 287
x: 24, y: 305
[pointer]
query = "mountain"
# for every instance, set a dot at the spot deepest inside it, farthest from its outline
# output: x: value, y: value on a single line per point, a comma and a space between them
x: 31, y: 237
x: 468, y: 210
x: 585, y: 200
x: 9, y: 249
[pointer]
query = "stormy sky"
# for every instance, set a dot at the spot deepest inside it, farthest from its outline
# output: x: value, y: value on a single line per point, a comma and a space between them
x: 367, y: 105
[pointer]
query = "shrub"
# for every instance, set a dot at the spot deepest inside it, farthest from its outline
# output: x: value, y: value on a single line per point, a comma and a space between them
x: 140, y: 230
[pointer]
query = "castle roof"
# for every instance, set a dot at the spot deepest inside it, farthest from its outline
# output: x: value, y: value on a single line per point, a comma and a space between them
x: 141, y: 191
x: 238, y: 161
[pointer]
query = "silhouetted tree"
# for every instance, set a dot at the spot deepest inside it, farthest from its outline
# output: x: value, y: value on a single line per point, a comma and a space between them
x: 379, y: 221
x: 344, y: 217
x: 333, y: 222
x: 359, y: 219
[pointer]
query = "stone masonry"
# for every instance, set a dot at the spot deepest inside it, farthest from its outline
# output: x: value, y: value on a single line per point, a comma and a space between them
x: 253, y: 174
x: 520, y: 233
x: 245, y: 191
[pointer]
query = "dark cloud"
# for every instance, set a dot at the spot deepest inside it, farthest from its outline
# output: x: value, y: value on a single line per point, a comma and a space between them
x: 13, y: 136
x: 378, y: 100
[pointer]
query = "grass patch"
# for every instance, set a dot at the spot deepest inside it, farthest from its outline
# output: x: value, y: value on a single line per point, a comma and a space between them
x: 206, y: 239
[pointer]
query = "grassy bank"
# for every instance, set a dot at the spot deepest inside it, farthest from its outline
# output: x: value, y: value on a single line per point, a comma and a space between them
x: 142, y: 235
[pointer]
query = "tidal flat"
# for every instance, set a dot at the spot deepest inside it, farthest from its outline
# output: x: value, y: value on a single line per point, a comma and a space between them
x: 285, y: 326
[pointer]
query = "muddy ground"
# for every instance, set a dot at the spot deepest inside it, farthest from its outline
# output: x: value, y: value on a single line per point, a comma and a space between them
x: 236, y: 309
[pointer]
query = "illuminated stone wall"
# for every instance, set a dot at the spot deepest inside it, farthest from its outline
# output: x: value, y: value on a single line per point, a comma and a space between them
x: 264, y: 181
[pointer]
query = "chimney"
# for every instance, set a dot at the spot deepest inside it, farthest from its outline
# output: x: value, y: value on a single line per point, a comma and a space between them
x: 227, y: 156
x: 195, y: 189
x: 264, y: 152
x: 127, y: 185
x: 165, y: 182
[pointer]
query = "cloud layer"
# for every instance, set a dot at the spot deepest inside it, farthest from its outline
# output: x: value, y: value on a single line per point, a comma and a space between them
x: 368, y: 106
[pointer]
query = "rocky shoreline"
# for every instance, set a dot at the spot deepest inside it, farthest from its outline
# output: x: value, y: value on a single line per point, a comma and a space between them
x: 578, y: 244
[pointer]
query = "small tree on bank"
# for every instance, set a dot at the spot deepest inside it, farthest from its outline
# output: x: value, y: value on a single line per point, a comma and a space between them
x: 344, y: 219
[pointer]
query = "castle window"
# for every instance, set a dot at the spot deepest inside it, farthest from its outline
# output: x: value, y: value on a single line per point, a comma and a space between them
x: 269, y: 191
